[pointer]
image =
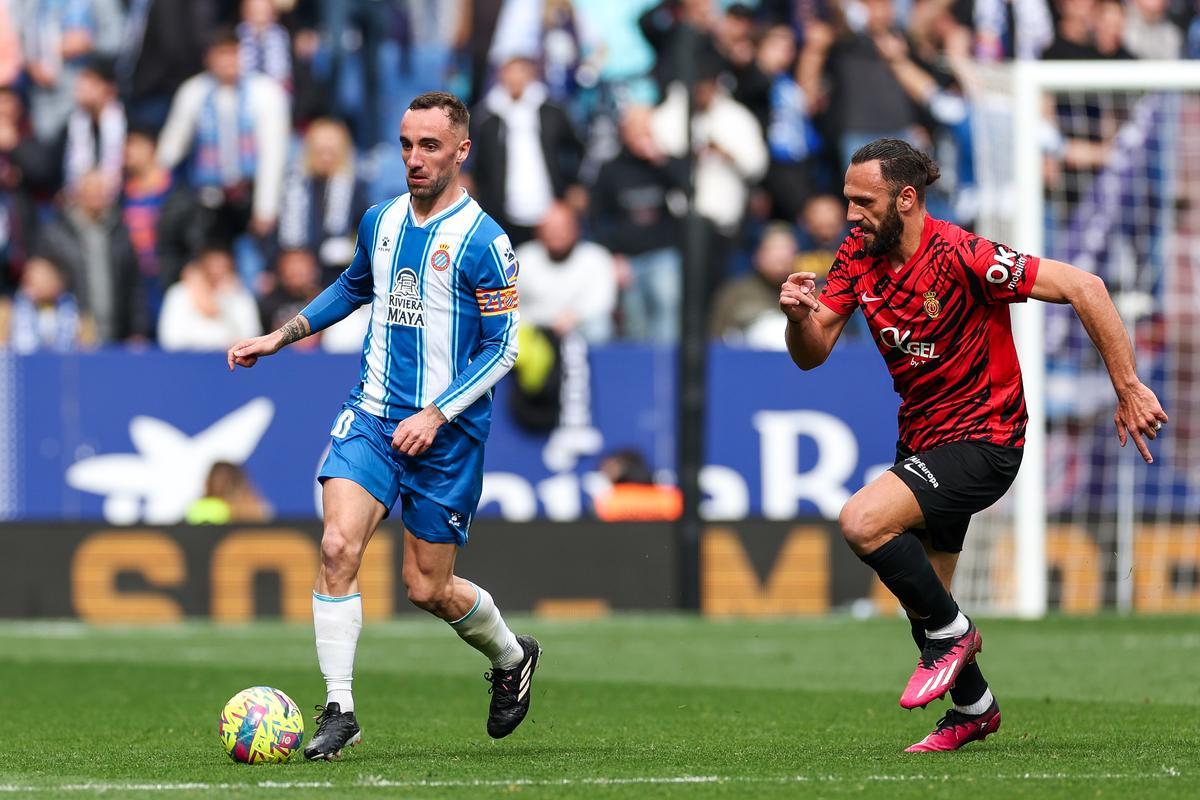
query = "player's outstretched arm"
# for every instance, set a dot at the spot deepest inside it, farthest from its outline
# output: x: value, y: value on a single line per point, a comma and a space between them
x: 1138, y: 411
x: 812, y: 328
x: 247, y: 352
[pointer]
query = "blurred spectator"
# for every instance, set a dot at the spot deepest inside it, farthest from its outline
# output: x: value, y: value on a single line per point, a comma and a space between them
x: 1149, y: 33
x: 526, y: 152
x: 422, y: 55
x: 822, y: 230
x: 92, y: 245
x: 311, y: 91
x: 209, y: 308
x: 19, y: 153
x: 164, y: 45
x: 1109, y: 30
x: 371, y: 20
x: 634, y: 496
x: 746, y: 311
x: 296, y: 283
x: 42, y: 314
x: 636, y: 202
x: 545, y: 31
x: 730, y: 153
x: 95, y: 135
x: 735, y: 37
x: 57, y: 36
x: 160, y: 213
x: 264, y: 45
x: 12, y: 60
x: 666, y: 27
x: 865, y: 101
x: 1072, y: 34
x: 229, y: 497
x: 567, y: 285
x: 791, y: 136
x: 473, y: 40
x: 322, y: 199
x: 616, y: 54
x: 235, y: 131
x: 561, y: 48
x: 1009, y: 28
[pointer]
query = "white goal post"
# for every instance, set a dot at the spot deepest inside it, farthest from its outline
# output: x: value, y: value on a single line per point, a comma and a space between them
x: 1014, y: 210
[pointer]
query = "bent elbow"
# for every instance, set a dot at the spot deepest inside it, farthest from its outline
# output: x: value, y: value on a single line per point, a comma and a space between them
x: 1086, y: 288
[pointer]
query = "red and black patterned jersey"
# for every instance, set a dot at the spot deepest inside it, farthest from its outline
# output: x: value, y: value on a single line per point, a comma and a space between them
x: 941, y: 322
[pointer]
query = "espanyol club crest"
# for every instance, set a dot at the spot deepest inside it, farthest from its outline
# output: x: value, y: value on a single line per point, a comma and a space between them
x: 932, y: 306
x: 440, y: 260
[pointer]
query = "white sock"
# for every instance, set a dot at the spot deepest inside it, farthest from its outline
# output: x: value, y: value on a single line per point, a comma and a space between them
x: 979, y: 706
x: 956, y: 628
x: 483, y: 628
x: 338, y: 621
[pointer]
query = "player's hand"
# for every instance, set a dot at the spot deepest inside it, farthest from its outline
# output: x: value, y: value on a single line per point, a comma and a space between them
x: 247, y: 352
x: 1139, y: 414
x: 414, y: 435
x: 798, y: 296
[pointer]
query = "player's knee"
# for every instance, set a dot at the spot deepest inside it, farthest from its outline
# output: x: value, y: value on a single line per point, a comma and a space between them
x: 423, y: 592
x: 861, y: 527
x: 337, y: 552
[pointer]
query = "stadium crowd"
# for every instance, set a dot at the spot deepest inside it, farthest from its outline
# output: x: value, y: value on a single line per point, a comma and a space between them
x: 191, y: 172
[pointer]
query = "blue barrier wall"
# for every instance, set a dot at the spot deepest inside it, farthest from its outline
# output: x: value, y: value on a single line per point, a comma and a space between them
x: 129, y: 436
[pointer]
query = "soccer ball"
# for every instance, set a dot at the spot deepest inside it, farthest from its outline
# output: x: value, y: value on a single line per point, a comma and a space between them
x: 261, y: 725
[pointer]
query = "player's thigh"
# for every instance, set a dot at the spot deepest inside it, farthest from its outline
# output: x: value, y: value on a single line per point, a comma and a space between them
x: 360, y: 481
x: 883, y: 508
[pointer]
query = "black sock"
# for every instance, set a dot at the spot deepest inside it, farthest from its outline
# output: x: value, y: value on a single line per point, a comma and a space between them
x: 970, y: 684
x: 905, y: 570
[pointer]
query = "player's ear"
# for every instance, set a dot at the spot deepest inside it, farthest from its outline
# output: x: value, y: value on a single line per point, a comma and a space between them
x: 907, y: 199
x: 464, y: 150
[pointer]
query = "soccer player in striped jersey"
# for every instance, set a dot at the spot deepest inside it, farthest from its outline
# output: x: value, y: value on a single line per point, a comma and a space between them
x: 441, y: 277
x: 935, y: 297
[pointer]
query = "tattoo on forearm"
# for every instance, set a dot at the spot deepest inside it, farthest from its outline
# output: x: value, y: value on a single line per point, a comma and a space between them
x: 295, y: 330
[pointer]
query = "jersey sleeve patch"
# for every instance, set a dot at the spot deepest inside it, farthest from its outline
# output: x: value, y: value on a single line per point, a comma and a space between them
x: 497, y: 301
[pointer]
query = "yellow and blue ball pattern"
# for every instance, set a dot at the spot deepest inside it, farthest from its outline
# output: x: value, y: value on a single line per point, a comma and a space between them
x: 261, y: 725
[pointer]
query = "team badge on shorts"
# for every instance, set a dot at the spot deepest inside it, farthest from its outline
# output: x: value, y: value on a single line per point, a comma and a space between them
x: 440, y: 260
x: 932, y: 306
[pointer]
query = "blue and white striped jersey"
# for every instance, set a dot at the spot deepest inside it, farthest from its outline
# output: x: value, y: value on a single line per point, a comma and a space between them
x: 444, y: 311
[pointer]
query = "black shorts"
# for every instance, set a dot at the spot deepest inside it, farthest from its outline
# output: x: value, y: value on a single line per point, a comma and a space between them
x: 953, y: 481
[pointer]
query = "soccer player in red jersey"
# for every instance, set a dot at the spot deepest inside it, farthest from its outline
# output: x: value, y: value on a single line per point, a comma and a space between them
x: 935, y: 297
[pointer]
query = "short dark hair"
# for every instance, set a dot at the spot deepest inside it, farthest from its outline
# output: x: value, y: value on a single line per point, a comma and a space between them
x: 103, y: 67
x: 223, y: 36
x: 455, y: 109
x: 901, y: 165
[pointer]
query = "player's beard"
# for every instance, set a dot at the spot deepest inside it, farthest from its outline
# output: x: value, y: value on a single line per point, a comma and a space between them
x: 432, y: 187
x: 887, y: 235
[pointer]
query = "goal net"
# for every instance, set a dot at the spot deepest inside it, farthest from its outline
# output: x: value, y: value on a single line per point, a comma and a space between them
x: 1097, y: 165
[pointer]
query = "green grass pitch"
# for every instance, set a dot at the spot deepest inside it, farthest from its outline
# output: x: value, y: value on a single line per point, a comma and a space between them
x: 630, y: 707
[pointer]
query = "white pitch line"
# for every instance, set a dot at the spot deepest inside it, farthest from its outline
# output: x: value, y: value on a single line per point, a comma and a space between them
x: 378, y: 782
